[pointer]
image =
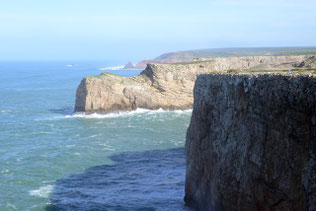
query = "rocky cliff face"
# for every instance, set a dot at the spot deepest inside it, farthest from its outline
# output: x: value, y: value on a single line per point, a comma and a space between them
x: 158, y: 86
x: 251, y: 144
x: 187, y: 56
x: 167, y: 86
x: 257, y: 62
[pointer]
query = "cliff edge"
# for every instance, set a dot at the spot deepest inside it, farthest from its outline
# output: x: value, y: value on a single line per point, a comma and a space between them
x: 251, y: 143
x: 167, y: 86
x: 158, y: 86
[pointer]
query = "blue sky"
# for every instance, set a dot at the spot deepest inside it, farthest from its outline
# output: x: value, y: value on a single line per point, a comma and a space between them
x: 134, y: 30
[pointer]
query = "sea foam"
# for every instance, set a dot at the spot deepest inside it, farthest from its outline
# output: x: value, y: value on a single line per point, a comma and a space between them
x: 43, y: 191
x: 5, y: 111
x: 113, y: 68
x: 126, y: 113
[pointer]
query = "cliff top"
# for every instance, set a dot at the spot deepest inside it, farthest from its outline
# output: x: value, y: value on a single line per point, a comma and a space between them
x: 170, y: 86
x: 293, y: 72
x: 228, y: 52
x: 301, y: 64
x: 187, y: 56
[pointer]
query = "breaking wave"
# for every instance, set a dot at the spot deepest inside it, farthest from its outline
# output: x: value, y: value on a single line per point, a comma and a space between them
x: 5, y: 111
x: 113, y: 68
x: 43, y: 191
x: 127, y: 113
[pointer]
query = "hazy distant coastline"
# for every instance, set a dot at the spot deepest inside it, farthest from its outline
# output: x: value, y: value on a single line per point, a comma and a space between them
x: 186, y: 56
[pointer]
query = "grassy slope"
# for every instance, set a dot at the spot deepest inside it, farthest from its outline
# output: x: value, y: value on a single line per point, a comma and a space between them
x: 189, y: 55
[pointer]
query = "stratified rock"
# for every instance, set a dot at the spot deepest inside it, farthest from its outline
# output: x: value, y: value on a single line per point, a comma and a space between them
x: 129, y: 65
x: 158, y: 86
x: 186, y: 56
x: 251, y: 143
x: 167, y: 86
x: 258, y: 62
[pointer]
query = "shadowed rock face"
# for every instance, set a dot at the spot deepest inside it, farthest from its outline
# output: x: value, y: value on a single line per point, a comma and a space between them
x: 251, y: 143
x: 167, y: 86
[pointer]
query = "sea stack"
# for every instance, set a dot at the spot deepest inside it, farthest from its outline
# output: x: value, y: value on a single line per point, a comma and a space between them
x: 129, y: 65
x: 251, y: 143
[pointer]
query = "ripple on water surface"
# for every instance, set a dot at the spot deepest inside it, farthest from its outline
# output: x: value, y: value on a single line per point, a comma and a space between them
x: 77, y: 162
x: 150, y: 180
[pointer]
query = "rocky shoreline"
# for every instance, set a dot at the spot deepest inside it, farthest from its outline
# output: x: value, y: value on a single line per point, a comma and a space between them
x: 251, y: 143
x: 166, y: 86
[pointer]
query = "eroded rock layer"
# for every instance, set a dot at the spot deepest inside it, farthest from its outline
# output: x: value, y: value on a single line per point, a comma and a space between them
x: 167, y: 86
x: 251, y: 143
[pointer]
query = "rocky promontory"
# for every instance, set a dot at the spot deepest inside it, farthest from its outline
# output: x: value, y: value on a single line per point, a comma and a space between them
x: 251, y: 143
x: 186, y: 56
x: 167, y: 86
x: 158, y: 86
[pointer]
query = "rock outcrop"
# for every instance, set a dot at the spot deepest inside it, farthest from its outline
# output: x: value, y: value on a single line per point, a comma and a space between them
x: 129, y: 65
x: 251, y: 143
x: 158, y: 86
x: 259, y: 62
x: 167, y: 86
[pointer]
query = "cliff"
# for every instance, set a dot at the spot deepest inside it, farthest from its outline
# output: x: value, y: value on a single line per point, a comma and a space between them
x: 158, y: 86
x: 167, y: 86
x: 186, y: 56
x: 251, y: 143
x: 261, y: 62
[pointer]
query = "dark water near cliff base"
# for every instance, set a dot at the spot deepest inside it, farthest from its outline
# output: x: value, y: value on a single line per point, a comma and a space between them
x: 139, y: 180
x: 53, y: 160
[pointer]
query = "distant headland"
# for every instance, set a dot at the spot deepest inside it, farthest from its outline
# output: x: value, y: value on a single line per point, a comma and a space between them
x: 186, y: 56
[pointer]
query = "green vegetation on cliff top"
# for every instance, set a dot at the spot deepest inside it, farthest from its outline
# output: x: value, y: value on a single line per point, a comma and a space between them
x: 226, y: 52
x: 297, y: 71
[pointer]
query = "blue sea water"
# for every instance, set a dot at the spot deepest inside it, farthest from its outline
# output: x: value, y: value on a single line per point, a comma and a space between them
x: 52, y: 159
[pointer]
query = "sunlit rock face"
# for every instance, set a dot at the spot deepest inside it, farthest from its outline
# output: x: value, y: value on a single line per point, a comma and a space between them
x: 251, y: 143
x: 167, y: 86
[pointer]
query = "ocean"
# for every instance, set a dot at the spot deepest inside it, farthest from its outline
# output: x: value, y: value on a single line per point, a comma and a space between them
x: 52, y: 159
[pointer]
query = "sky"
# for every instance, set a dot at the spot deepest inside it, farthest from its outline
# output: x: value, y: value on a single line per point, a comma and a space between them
x: 134, y: 30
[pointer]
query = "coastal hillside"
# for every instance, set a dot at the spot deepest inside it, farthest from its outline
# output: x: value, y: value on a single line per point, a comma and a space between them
x: 169, y: 86
x: 251, y: 143
x: 186, y: 56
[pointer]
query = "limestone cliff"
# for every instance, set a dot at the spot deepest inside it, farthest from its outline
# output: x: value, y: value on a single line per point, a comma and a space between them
x: 158, y: 86
x: 186, y: 56
x: 167, y: 86
x: 260, y: 62
x: 251, y: 143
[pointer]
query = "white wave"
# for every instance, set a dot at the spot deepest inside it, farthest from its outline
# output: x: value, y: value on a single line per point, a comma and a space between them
x: 106, y: 147
x: 43, y: 191
x: 5, y: 111
x: 113, y: 68
x: 92, y: 136
x: 126, y: 113
x: 47, y: 181
x: 183, y: 111
x: 133, y: 68
x: 5, y: 171
x: 11, y: 207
